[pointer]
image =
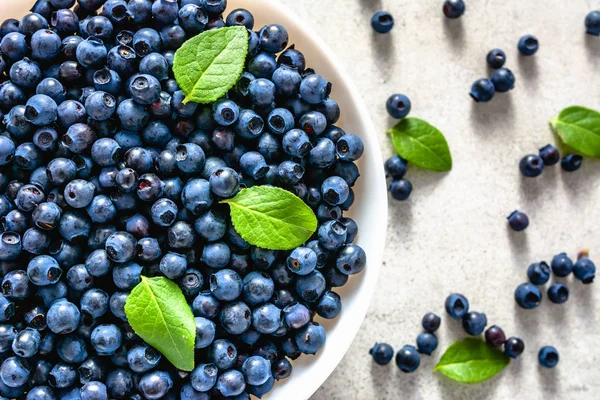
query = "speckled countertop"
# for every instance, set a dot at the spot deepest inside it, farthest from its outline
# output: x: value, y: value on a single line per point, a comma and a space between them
x: 452, y: 235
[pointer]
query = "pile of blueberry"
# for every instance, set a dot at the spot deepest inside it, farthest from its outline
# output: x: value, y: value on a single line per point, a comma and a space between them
x: 106, y: 175
x: 532, y: 165
x: 529, y: 296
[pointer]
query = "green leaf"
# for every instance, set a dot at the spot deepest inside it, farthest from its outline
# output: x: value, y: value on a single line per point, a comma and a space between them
x: 471, y: 361
x: 209, y: 64
x: 579, y: 128
x: 158, y: 312
x: 422, y: 144
x: 271, y: 218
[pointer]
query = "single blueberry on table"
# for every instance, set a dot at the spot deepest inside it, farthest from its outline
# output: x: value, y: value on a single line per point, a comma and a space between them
x: 548, y: 357
x: 528, y: 296
x: 494, y: 336
x: 496, y: 58
x: 382, y: 22
x: 474, y: 323
x: 531, y: 165
x: 427, y: 343
x: 431, y: 322
x: 395, y: 167
x: 558, y: 293
x: 550, y: 155
x: 571, y: 162
x: 482, y: 91
x: 538, y: 273
x: 592, y: 23
x: 408, y: 359
x: 454, y: 8
x: 456, y: 305
x: 561, y: 265
x: 398, y: 106
x: 584, y: 270
x: 528, y: 45
x: 514, y: 347
x: 518, y: 221
x: 382, y: 353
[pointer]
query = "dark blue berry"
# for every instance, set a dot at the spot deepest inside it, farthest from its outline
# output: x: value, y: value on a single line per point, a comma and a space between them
x: 518, y: 221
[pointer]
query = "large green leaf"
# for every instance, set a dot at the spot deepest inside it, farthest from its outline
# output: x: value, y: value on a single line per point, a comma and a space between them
x: 579, y: 128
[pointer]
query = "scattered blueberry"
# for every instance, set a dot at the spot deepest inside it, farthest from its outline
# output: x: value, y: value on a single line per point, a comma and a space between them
x: 558, y: 293
x: 431, y: 322
x: 454, y: 8
x: 400, y: 189
x: 561, y: 265
x: 584, y: 270
x: 518, y: 221
x: 408, y: 359
x: 382, y: 353
x: 531, y: 165
x: 474, y: 323
x: 571, y: 162
x: 514, y: 347
x: 528, y: 296
x: 494, y: 335
x: 548, y: 357
x: 592, y: 23
x: 538, y: 273
x: 382, y: 22
x: 426, y: 343
x: 496, y: 58
x: 549, y: 154
x: 528, y: 45
x: 398, y: 106
x: 503, y: 80
x: 482, y: 91
x: 457, y: 305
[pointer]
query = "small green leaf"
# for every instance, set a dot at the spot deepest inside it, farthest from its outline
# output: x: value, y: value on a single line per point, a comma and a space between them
x: 471, y: 361
x: 422, y: 144
x: 272, y: 218
x: 579, y: 128
x: 158, y: 313
x: 209, y: 64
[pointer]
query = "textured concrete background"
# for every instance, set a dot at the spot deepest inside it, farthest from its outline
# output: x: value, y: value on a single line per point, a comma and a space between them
x: 452, y: 234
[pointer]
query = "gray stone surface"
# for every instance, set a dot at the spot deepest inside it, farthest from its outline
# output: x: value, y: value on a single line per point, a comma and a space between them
x: 452, y: 235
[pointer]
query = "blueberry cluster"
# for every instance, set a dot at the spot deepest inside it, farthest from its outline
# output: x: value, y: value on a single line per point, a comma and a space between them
x: 474, y: 323
x: 532, y: 165
x: 106, y: 175
x: 501, y: 81
x: 408, y: 358
x: 529, y: 296
x: 395, y: 168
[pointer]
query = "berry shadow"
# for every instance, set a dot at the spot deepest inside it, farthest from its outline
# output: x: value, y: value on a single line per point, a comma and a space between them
x: 528, y: 321
x: 488, y: 116
x: 371, y: 6
x: 454, y: 32
x: 384, y: 46
x: 592, y: 45
x: 528, y: 69
x: 452, y: 390
x: 582, y: 183
x: 519, y: 245
x: 550, y: 379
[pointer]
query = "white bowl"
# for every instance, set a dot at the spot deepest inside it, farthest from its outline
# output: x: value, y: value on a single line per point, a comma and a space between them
x: 369, y: 210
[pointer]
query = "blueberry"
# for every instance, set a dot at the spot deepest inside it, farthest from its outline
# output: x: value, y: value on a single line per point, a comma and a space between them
x: 15, y: 285
x: 216, y: 255
x: 558, y: 293
x: 280, y: 121
x: 382, y: 22
x: 14, y: 371
x: 266, y: 318
x: 226, y: 285
x: 482, y: 91
x: 204, y: 377
x: 231, y: 383
x: 513, y: 347
x: 302, y: 261
x: 518, y: 221
x: 310, y: 287
x: 256, y: 370
x: 223, y: 354
x: 240, y: 17
x: 349, y: 147
x: 549, y: 154
x: 426, y: 343
x: 258, y: 287
x: 395, y: 167
x: 496, y: 58
x: 296, y: 143
x: 63, y: 317
x: 11, y: 245
x: 503, y: 80
x: 190, y: 158
x: 382, y: 353
x: 224, y: 182
x: 142, y: 358
x: 454, y: 8
x: 43, y: 271
x: 332, y: 235
x: 41, y: 110
x: 329, y: 305
x: 398, y: 106
x: 253, y: 164
x: 528, y: 296
x: 538, y: 273
x: 474, y: 323
x: 571, y: 162
x: 155, y: 384
x: 408, y: 359
x: 287, y: 80
x: 531, y: 165
x: 311, y: 338
x: 528, y: 45
x: 351, y: 259
x: 548, y: 357
x: 457, y: 305
x: 431, y: 322
x: 592, y: 23
x: 26, y: 343
x: 494, y: 336
x: 584, y: 270
x: 562, y: 265
x: 72, y: 349
x: 400, y: 189
x: 273, y: 38
x: 314, y: 89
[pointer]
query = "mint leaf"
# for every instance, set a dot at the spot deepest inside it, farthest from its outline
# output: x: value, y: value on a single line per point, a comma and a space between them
x: 579, y: 128
x: 471, y: 361
x: 209, y: 64
x: 158, y: 313
x: 421, y: 144
x: 271, y: 218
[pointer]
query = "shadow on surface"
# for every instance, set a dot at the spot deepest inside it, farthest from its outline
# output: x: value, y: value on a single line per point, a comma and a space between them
x: 454, y: 32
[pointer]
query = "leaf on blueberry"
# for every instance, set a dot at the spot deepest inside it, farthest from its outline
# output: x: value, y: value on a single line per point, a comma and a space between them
x: 471, y: 361
x: 271, y: 217
x: 158, y: 312
x: 209, y: 64
x: 579, y: 128
x: 422, y: 144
